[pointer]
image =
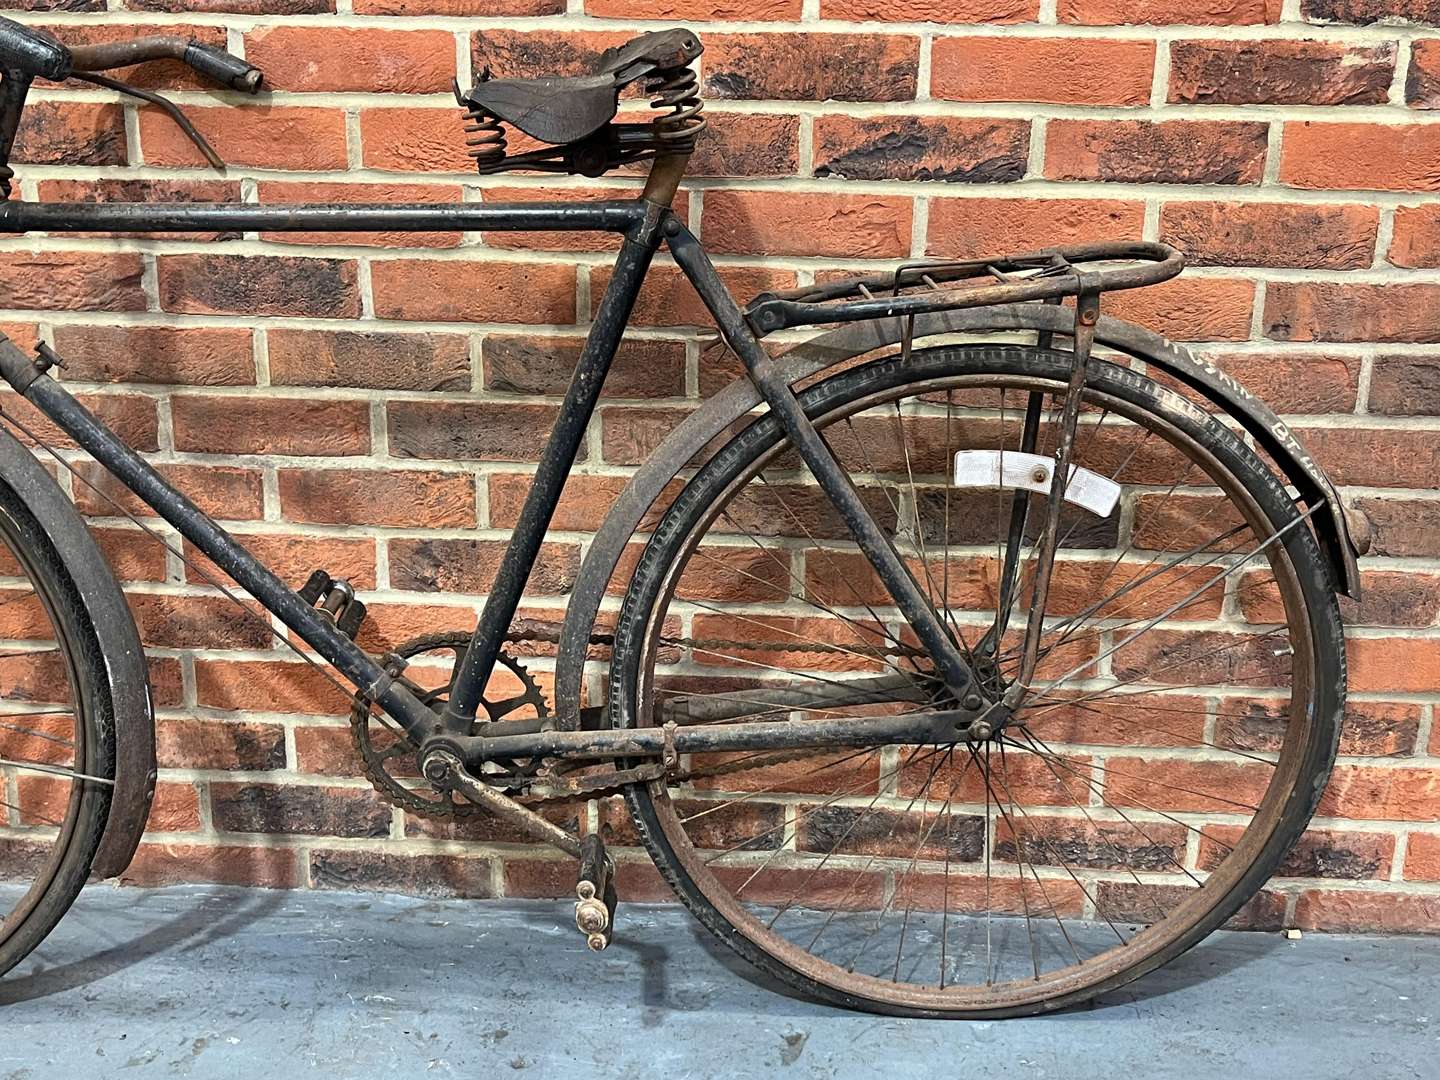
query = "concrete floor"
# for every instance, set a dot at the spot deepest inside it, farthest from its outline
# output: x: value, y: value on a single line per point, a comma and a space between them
x: 210, y: 982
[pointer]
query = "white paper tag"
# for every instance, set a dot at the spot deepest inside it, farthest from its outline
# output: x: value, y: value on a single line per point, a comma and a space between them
x: 1012, y: 469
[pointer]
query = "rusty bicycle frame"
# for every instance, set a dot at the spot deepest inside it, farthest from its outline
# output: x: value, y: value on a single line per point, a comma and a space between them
x: 453, y: 745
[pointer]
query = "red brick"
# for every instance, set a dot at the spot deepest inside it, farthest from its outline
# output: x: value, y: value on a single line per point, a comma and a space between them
x: 1382, y: 457
x: 259, y: 285
x: 153, y: 74
x: 1357, y: 911
x: 1394, y: 663
x: 267, y: 686
x: 1422, y: 857
x: 72, y: 281
x: 358, y: 497
x: 584, y: 501
x: 1422, y: 81
x: 544, y: 365
x: 1402, y: 526
x: 474, y: 292
x: 747, y: 144
x: 781, y: 223
x: 1313, y: 236
x: 1332, y: 311
x: 942, y: 11
x: 969, y: 227
x: 469, y: 566
x: 1417, y: 237
x: 955, y: 149
x: 1066, y: 71
x: 487, y: 8
x: 414, y: 140
x: 239, y: 7
x: 742, y: 10
x: 70, y: 133
x: 132, y: 554
x: 529, y: 54
x: 375, y: 360
x: 219, y: 744
x: 212, y: 356
x: 411, y: 874
x: 332, y: 58
x: 811, y: 67
x: 1405, y: 386
x: 468, y: 430
x: 1369, y: 11
x: 363, y: 193
x: 1160, y: 152
x: 296, y: 810
x: 267, y: 137
x: 1365, y: 157
x: 198, y: 622
x: 268, y: 425
x: 221, y: 491
x: 1189, y: 308
x: 1280, y: 72
x: 1161, y: 12
x: 222, y: 864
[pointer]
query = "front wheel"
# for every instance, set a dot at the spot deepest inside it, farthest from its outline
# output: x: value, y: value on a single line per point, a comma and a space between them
x: 1167, y: 753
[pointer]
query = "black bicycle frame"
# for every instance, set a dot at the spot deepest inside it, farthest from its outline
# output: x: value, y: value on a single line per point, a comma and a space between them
x: 644, y: 226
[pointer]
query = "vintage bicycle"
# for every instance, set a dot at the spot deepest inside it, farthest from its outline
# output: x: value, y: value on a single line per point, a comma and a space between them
x: 968, y: 658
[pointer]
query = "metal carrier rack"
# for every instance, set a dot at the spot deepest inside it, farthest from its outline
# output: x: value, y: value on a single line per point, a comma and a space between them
x: 918, y: 287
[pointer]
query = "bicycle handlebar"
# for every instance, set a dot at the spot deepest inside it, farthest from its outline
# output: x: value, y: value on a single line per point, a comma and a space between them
x: 215, y: 64
x: 30, y: 53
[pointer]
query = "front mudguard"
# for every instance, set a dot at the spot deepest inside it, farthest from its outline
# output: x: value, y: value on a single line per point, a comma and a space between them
x: 720, y: 412
x: 120, y: 656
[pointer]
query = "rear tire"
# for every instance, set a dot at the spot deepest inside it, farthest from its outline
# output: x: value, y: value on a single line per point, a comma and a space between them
x: 646, y: 653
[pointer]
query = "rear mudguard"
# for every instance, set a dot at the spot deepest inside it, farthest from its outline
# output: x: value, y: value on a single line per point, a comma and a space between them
x: 121, y: 657
x: 827, y: 350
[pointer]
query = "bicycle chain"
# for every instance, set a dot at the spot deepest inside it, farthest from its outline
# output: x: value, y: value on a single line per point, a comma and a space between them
x: 538, y: 632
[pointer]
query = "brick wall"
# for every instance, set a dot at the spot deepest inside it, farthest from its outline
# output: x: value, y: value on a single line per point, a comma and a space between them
x: 1287, y: 145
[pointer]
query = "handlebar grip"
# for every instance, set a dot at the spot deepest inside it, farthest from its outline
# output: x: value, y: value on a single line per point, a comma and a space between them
x: 32, y: 52
x: 225, y: 69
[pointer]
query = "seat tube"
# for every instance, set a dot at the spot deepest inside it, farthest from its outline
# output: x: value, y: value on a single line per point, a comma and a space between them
x: 555, y: 463
x: 876, y: 546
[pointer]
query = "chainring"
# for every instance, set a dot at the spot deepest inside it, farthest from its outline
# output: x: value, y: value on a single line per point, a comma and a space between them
x: 380, y: 744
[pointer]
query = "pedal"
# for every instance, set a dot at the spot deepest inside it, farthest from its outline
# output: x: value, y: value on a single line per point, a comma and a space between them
x: 335, y: 599
x: 595, y: 892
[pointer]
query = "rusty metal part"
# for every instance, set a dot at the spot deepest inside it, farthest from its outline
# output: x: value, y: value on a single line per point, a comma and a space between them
x: 444, y: 769
x: 373, y: 759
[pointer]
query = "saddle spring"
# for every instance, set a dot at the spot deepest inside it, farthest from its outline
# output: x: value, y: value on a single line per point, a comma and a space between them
x: 675, y: 89
x: 484, y: 138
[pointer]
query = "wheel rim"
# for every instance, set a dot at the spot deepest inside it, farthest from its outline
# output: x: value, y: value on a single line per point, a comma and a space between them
x: 1090, y: 894
x: 44, y: 743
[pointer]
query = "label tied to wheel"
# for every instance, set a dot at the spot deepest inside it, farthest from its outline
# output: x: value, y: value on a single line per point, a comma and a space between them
x: 1033, y: 472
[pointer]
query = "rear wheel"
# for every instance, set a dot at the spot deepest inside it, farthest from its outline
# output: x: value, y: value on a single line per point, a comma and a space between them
x: 57, y: 748
x: 1168, y: 752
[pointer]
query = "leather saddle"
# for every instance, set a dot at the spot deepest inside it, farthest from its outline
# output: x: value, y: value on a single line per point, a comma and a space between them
x: 564, y: 110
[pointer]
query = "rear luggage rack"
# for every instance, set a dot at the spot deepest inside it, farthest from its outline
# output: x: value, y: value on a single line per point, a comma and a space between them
x: 919, y: 287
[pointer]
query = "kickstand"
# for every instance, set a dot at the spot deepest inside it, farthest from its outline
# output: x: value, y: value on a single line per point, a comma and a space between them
x: 171, y: 109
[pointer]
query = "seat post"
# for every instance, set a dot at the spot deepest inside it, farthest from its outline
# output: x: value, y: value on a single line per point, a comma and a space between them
x: 664, y: 178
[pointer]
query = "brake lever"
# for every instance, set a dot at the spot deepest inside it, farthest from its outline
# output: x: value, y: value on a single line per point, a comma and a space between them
x: 171, y: 109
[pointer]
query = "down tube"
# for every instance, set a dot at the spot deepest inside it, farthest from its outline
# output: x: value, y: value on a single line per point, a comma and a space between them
x: 555, y: 464
x: 868, y: 536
